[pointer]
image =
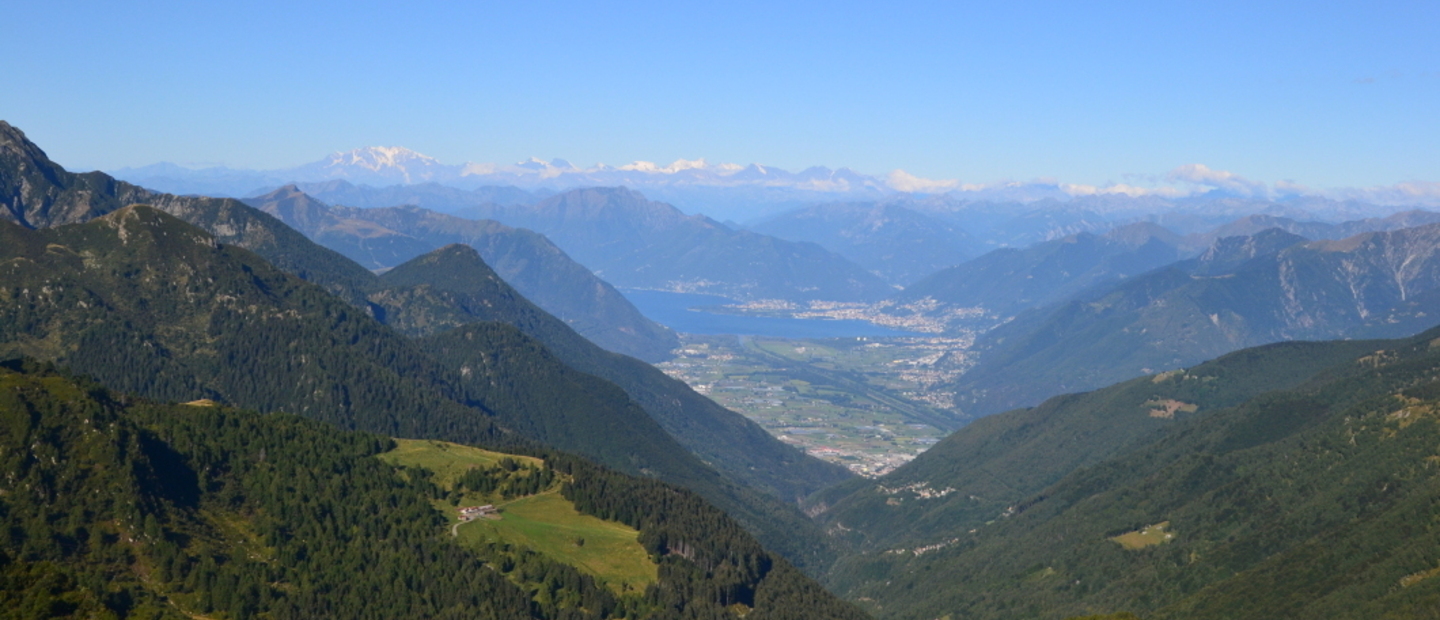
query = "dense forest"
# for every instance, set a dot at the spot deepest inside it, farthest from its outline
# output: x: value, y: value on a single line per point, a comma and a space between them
x: 116, y: 506
x: 1292, y: 481
x: 148, y: 304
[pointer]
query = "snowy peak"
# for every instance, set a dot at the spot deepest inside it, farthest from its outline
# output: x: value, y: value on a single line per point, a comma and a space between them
x: 380, y: 164
x: 376, y: 158
x: 679, y: 165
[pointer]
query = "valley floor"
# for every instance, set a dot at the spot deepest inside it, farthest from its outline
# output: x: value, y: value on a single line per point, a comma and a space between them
x: 866, y: 403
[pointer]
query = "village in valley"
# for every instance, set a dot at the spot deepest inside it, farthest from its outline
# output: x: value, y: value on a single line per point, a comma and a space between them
x: 869, y: 404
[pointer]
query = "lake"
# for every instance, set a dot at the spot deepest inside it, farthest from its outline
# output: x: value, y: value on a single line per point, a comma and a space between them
x: 674, y: 310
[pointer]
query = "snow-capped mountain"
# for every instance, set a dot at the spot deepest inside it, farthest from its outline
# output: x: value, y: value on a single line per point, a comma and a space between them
x: 382, y: 166
x: 729, y: 191
x: 387, y: 164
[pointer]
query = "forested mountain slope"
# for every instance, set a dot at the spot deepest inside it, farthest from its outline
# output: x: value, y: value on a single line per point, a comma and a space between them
x: 999, y: 461
x: 150, y: 304
x: 38, y: 193
x: 1215, y: 499
x: 125, y: 508
x: 457, y: 277
x: 381, y: 238
x: 34, y: 185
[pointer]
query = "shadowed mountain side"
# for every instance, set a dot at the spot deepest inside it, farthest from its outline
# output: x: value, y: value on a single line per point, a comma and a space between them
x: 453, y: 286
x: 381, y: 238
x: 38, y: 193
x: 1254, y: 224
x: 1008, y: 281
x: 1370, y: 285
x: 152, y: 305
x: 633, y: 242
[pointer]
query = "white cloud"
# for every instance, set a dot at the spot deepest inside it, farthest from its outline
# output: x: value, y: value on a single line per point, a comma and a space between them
x: 1132, y: 191
x: 1204, y: 176
x: 677, y: 166
x: 1408, y: 193
x: 900, y: 180
x: 478, y: 169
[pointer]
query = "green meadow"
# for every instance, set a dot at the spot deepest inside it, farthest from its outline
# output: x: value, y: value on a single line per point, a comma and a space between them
x: 545, y: 522
x: 448, y: 461
x: 548, y: 523
x: 1150, y: 536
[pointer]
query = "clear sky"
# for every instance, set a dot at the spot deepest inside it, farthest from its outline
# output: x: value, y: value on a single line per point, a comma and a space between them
x: 1326, y: 94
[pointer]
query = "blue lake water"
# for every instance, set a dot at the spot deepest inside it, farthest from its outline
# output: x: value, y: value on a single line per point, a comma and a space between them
x: 675, y: 310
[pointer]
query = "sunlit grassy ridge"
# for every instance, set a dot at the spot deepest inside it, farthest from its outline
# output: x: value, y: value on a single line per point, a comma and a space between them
x: 544, y: 522
x: 447, y: 460
x: 549, y: 523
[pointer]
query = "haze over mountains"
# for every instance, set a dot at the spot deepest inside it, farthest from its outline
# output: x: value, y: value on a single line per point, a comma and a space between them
x: 634, y: 242
x: 734, y: 192
x: 762, y: 187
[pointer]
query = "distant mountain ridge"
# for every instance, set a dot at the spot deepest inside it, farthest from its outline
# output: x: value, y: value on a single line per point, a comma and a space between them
x: 748, y: 192
x: 692, y: 182
x: 1010, y: 280
x: 433, y: 196
x: 634, y: 242
x: 897, y: 243
x: 1243, y: 292
x: 381, y: 238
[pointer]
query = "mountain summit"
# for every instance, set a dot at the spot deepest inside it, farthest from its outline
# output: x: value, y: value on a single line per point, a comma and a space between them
x: 385, y: 165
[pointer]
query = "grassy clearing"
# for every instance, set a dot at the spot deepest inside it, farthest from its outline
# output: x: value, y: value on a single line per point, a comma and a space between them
x: 1150, y: 536
x: 1167, y: 408
x: 447, y: 460
x: 548, y: 523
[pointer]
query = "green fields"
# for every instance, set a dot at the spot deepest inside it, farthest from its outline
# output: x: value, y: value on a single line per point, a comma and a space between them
x: 446, y: 460
x: 869, y: 404
x: 1150, y: 536
x: 545, y: 522
x: 548, y: 523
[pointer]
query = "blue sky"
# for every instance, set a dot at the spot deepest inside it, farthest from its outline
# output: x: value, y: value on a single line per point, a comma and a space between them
x: 1337, y: 94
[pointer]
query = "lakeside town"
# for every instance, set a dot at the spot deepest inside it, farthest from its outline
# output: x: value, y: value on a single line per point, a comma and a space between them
x: 869, y: 404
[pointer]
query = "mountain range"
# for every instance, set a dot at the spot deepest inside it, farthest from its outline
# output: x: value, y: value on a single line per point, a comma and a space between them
x: 734, y: 192
x: 381, y: 238
x: 1007, y: 281
x: 175, y: 358
x: 634, y: 242
x: 898, y: 244
x: 1295, y: 479
x: 1244, y: 291
x: 759, y: 188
